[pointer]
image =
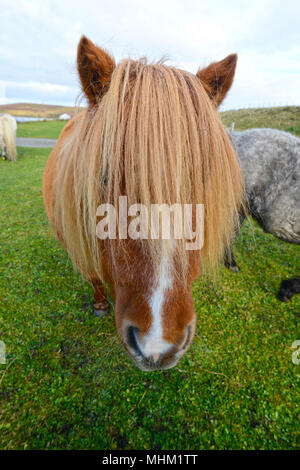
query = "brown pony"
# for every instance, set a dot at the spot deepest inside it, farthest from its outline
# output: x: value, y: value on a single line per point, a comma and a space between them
x: 151, y: 132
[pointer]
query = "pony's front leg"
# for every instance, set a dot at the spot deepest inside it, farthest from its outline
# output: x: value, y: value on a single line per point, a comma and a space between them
x: 3, y: 153
x: 230, y: 262
x: 101, y: 305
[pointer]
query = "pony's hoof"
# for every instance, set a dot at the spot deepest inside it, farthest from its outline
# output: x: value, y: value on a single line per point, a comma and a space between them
x: 101, y: 313
x: 283, y: 299
x: 234, y: 269
x: 288, y: 288
x: 101, y: 309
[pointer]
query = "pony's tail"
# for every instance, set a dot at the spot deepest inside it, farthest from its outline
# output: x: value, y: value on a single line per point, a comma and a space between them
x: 10, y: 139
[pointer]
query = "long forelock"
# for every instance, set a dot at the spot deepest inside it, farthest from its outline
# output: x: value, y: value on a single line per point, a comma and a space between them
x: 156, y: 138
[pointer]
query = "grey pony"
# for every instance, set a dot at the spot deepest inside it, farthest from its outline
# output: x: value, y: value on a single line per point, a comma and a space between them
x: 270, y: 162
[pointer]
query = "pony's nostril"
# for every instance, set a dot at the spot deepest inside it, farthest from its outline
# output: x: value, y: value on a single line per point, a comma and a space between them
x: 188, y: 337
x: 132, y: 341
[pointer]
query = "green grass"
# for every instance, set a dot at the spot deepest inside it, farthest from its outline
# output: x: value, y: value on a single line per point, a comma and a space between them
x: 68, y: 383
x: 40, y: 129
x: 286, y: 118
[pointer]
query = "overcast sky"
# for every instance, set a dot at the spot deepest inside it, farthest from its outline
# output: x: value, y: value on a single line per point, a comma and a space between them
x: 38, y: 41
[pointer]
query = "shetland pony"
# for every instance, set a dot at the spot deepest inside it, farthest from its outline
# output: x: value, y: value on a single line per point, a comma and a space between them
x: 8, y: 129
x: 151, y: 132
x: 270, y: 162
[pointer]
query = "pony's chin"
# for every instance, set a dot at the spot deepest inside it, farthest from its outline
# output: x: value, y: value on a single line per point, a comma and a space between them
x: 154, y: 369
x: 145, y: 368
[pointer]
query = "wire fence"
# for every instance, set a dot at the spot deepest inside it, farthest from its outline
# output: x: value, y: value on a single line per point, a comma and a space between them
x: 277, y: 104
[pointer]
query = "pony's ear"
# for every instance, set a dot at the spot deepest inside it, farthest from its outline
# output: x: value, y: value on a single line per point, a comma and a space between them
x: 95, y: 67
x: 217, y: 78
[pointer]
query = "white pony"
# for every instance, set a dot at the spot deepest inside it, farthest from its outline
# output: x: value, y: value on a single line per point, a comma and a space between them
x: 8, y: 129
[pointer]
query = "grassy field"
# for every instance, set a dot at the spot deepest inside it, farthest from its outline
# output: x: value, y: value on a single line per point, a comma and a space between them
x: 286, y: 118
x: 40, y: 129
x: 68, y: 384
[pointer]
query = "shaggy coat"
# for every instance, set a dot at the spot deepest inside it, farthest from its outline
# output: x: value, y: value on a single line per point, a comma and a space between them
x: 270, y: 161
x: 8, y: 129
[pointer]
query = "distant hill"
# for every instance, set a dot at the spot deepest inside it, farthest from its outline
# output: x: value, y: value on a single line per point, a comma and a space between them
x: 37, y: 110
x: 286, y: 118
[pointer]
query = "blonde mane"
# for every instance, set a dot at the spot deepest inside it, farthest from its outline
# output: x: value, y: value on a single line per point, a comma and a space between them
x: 156, y: 138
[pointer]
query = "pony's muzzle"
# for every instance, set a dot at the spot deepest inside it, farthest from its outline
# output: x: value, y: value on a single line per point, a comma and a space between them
x: 155, y: 360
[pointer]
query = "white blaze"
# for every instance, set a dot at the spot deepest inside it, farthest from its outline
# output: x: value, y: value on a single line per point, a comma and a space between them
x: 153, y: 343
